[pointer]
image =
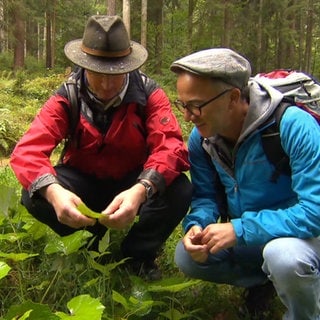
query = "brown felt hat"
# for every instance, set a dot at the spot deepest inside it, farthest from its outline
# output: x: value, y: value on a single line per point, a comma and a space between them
x: 106, y: 47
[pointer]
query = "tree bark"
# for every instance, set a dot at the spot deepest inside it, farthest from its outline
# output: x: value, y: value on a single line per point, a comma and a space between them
x: 190, y: 24
x: 126, y: 15
x: 111, y: 7
x: 227, y: 23
x: 48, y: 41
x: 144, y: 22
x: 309, y: 31
x: 19, y: 36
x: 157, y: 18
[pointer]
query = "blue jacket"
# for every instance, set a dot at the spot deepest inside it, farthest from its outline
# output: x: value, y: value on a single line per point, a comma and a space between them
x: 260, y: 210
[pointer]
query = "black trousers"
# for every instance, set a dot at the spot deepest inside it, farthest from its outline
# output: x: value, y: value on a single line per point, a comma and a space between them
x: 157, y: 217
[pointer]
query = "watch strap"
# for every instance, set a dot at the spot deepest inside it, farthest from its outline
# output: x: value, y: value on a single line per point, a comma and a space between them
x: 149, y: 188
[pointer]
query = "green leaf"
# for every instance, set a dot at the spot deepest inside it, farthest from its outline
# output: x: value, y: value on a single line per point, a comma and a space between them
x: 104, y: 242
x: 4, y: 269
x: 172, y: 285
x: 38, y: 312
x: 141, y: 299
x: 36, y: 229
x: 117, y: 297
x: 25, y: 315
x: 83, y: 307
x: 174, y: 314
x: 68, y: 244
x: 88, y: 212
x: 107, y: 268
x: 8, y: 197
x: 13, y: 237
x: 17, y: 256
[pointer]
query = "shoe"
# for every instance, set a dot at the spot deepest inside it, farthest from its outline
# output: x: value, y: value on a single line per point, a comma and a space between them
x: 147, y: 269
x: 257, y: 301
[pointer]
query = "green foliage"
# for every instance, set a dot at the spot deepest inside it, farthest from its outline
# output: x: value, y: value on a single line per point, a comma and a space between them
x: 6, y: 60
x: 21, y: 98
x: 4, y: 269
x: 44, y: 276
x: 83, y: 307
x: 36, y: 267
x: 38, y: 88
x: 7, y: 137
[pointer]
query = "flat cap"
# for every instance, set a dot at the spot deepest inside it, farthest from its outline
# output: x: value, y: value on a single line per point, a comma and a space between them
x: 220, y: 63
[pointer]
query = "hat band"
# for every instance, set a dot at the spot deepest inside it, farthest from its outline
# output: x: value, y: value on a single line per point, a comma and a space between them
x: 100, y: 53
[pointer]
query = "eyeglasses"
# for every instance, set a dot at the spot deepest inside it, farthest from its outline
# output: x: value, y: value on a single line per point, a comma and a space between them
x: 194, y: 108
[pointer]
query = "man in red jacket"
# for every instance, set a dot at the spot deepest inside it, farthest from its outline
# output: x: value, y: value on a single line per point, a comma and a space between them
x: 126, y: 156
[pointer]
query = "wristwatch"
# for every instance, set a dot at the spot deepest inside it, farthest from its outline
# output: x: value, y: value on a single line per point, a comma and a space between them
x: 149, y: 189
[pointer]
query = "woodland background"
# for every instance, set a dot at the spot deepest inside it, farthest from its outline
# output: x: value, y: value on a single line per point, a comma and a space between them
x: 270, y: 33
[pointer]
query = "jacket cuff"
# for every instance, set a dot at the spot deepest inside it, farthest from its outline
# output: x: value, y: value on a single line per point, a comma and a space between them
x: 155, y: 177
x: 237, y: 226
x: 41, y: 182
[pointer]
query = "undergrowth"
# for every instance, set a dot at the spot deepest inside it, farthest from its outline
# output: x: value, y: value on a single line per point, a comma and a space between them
x: 61, y: 277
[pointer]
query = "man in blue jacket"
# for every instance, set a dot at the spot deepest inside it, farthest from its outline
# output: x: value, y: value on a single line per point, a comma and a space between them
x: 271, y: 239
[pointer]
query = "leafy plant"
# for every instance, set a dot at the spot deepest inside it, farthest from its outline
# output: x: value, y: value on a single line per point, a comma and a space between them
x: 40, y: 265
x: 7, y: 137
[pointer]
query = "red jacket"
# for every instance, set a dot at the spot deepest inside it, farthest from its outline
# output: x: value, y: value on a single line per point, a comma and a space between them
x: 152, y: 142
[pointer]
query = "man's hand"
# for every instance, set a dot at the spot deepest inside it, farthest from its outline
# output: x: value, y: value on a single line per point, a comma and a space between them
x: 65, y: 205
x: 193, y: 244
x: 218, y: 236
x: 121, y: 212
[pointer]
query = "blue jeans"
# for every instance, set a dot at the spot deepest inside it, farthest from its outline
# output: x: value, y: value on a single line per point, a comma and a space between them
x: 293, y: 265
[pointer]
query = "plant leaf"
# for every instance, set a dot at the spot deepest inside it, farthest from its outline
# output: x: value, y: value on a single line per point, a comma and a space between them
x: 8, y: 196
x: 17, y: 256
x: 117, y: 297
x: 68, y: 244
x: 4, y: 269
x: 38, y: 312
x: 172, y: 285
x: 83, y: 307
x: 104, y: 242
x: 174, y: 314
x: 88, y: 212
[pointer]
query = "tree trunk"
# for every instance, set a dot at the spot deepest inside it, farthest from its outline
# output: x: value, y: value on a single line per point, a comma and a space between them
x: 126, y: 15
x: 144, y: 22
x: 19, y: 36
x: 227, y: 23
x: 48, y: 40
x: 53, y: 33
x: 157, y: 18
x: 190, y: 24
x: 259, y: 36
x: 111, y: 7
x: 309, y: 31
x: 3, y: 45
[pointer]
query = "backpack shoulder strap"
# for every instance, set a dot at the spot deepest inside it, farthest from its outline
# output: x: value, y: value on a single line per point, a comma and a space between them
x: 72, y: 95
x: 70, y: 87
x: 149, y: 84
x: 272, y: 147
